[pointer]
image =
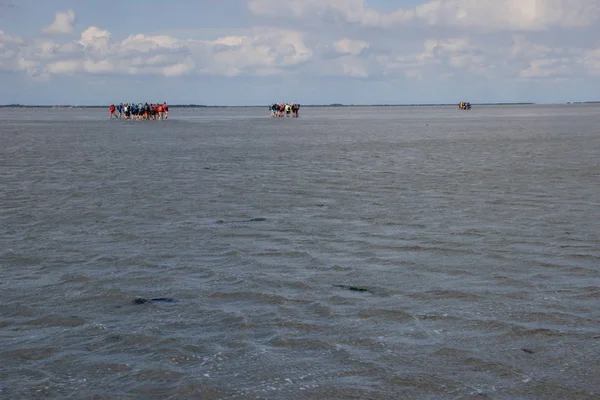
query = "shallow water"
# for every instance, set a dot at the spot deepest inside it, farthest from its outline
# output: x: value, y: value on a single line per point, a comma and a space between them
x: 381, y: 253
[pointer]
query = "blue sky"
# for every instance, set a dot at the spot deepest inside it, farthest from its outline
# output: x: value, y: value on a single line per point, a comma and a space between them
x: 255, y: 52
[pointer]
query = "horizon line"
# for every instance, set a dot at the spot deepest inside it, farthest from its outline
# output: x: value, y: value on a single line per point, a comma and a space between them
x: 194, y: 105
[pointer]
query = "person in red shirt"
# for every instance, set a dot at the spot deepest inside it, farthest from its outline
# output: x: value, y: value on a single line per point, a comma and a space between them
x: 112, y: 111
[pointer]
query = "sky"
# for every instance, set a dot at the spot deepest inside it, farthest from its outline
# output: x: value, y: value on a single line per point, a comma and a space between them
x: 256, y: 52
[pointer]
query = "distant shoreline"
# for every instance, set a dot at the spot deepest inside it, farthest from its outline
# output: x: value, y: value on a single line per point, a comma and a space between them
x: 305, y: 106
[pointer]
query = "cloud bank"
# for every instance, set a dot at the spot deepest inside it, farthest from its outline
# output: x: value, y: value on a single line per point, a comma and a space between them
x: 486, y: 15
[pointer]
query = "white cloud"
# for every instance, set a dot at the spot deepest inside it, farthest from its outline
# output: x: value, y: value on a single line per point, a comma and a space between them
x: 353, y: 11
x: 522, y: 47
x: 434, y: 51
x: 518, y: 15
x: 348, y: 46
x: 545, y: 68
x: 27, y: 65
x: 178, y: 69
x: 95, y: 39
x: 354, y: 69
x: 590, y: 60
x: 10, y: 49
x: 64, y: 24
x: 346, y: 65
x: 4, y: 38
x: 64, y: 66
x: 145, y: 43
x: 95, y: 67
x: 263, y: 51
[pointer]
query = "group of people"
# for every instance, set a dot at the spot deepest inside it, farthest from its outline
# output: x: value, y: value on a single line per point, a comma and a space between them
x: 287, y: 110
x: 464, y: 105
x: 140, y: 111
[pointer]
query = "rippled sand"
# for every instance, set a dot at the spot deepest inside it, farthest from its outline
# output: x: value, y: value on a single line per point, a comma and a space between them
x: 353, y: 253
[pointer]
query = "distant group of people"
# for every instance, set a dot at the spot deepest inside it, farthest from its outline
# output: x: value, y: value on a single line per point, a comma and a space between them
x: 464, y: 105
x: 287, y: 110
x: 147, y: 111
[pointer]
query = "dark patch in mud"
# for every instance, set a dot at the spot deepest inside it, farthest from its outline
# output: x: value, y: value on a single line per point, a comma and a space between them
x: 142, y: 300
x: 354, y: 288
x: 220, y: 221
